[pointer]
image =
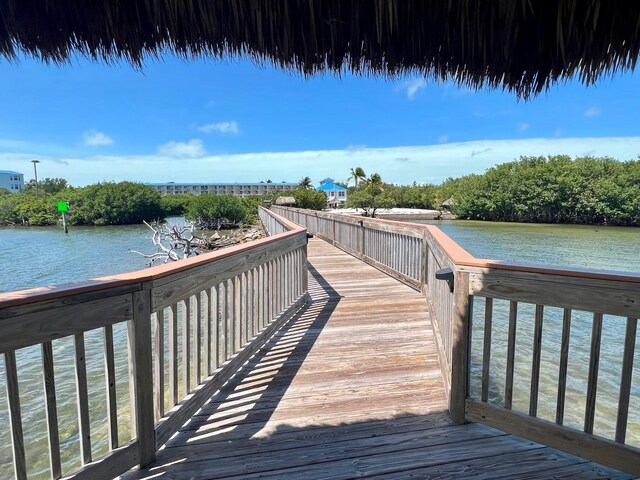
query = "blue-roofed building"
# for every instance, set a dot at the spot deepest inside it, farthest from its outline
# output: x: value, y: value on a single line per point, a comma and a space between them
x: 12, y: 181
x: 336, y: 194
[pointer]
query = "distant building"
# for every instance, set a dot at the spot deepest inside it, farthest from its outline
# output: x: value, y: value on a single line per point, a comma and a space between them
x: 236, y: 189
x: 336, y: 194
x: 12, y: 181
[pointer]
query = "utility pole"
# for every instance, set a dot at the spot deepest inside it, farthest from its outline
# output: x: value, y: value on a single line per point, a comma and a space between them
x: 35, y: 172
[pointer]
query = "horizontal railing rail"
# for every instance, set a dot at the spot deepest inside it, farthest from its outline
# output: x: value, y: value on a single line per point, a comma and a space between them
x: 180, y: 330
x: 492, y: 370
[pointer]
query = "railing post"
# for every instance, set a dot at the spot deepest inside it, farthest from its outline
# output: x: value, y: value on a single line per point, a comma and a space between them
x: 141, y: 375
x: 361, y: 243
x: 460, y: 347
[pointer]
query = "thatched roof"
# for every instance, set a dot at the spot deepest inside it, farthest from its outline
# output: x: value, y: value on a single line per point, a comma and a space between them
x: 523, y: 45
x: 285, y: 201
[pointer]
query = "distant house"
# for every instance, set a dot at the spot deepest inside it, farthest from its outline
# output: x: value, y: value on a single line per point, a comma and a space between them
x: 12, y: 181
x: 336, y: 194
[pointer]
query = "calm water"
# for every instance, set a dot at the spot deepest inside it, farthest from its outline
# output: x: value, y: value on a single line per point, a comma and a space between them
x: 43, y: 256
x: 610, y: 248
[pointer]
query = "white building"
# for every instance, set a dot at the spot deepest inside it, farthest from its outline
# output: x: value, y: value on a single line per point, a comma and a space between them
x: 236, y: 189
x: 336, y: 194
x: 12, y: 181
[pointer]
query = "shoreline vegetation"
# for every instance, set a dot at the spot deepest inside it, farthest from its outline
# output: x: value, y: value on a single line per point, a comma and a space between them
x: 554, y: 189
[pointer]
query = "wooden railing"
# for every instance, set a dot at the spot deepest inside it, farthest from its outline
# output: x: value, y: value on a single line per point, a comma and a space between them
x: 482, y: 299
x: 189, y: 327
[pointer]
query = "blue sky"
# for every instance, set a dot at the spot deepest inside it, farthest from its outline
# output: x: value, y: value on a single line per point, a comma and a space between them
x: 235, y: 121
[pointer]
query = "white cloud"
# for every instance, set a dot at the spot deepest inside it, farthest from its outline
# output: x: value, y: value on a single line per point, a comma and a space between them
x: 443, y: 138
x: 221, y: 127
x: 429, y: 163
x: 191, y: 149
x: 592, y: 112
x: 412, y: 87
x: 93, y: 138
x: 523, y: 127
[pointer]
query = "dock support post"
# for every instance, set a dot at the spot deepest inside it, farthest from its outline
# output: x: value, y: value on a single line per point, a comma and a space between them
x: 141, y: 375
x: 460, y: 347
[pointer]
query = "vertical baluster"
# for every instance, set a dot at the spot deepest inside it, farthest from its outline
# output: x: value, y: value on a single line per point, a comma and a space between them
x: 205, y: 302
x: 564, y: 360
x: 486, y: 351
x: 51, y: 410
x: 625, y: 379
x: 213, y: 329
x: 172, y: 313
x: 82, y: 398
x: 249, y: 304
x: 186, y: 347
x: 237, y: 309
x: 197, y: 338
x: 221, y: 323
x: 230, y: 331
x: 305, y: 271
x: 255, y: 303
x: 110, y: 379
x: 15, y: 416
x: 246, y: 311
x: 263, y: 295
x: 511, y: 352
x: 158, y: 342
x: 535, y: 365
x: 592, y: 384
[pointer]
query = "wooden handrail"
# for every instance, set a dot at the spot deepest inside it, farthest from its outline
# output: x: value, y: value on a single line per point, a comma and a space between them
x: 214, y: 304
x: 578, y: 293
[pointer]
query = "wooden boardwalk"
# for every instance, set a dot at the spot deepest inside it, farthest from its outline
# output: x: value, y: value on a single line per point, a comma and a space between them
x: 350, y: 387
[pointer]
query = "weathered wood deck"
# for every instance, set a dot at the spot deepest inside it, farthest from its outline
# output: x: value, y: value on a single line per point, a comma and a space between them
x: 350, y: 387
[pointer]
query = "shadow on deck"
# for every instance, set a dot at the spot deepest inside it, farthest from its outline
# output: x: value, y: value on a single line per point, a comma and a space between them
x: 350, y: 387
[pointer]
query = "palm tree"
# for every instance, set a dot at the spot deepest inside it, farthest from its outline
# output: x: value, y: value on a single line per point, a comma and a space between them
x: 374, y: 184
x: 358, y: 175
x: 305, y: 183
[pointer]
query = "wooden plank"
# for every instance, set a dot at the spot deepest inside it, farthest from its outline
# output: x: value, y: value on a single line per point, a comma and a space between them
x: 158, y: 371
x: 82, y: 399
x: 486, y: 350
x: 110, y: 380
x: 592, y: 382
x: 255, y: 316
x: 141, y: 375
x: 51, y: 407
x: 585, y: 445
x: 564, y: 360
x: 15, y: 416
x: 237, y: 312
x: 111, y: 465
x: 231, y: 322
x: 625, y: 379
x: 592, y: 295
x: 511, y: 353
x: 172, y: 321
x: 535, y: 363
x: 169, y: 425
x: 41, y: 322
x: 460, y: 348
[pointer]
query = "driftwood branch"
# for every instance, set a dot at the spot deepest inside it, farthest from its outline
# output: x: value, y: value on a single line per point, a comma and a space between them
x: 173, y: 242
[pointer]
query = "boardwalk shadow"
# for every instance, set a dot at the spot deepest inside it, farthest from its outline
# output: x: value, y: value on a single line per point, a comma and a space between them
x: 239, y: 433
x: 247, y: 401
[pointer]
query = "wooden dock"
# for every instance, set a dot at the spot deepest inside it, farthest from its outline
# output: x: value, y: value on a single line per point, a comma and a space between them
x: 350, y: 387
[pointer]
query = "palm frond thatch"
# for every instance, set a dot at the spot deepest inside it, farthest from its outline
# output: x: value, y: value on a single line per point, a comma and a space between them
x: 520, y: 45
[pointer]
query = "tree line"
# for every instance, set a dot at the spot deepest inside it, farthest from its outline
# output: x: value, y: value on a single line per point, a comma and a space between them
x: 122, y: 203
x: 553, y: 189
